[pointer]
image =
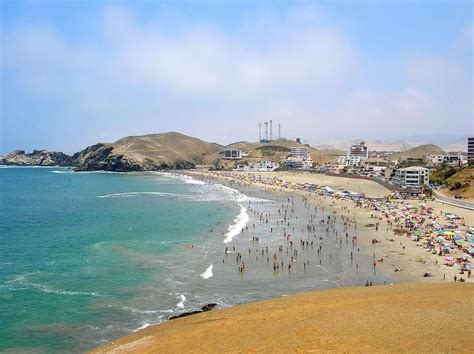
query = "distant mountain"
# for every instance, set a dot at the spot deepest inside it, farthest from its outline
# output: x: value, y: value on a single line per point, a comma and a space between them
x: 147, y: 152
x: 418, y: 152
x: 36, y: 158
x: 440, y: 139
x: 459, y: 146
x: 373, y: 145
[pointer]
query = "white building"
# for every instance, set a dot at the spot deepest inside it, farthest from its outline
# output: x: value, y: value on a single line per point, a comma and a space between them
x: 299, y: 158
x: 412, y: 177
x: 453, y: 159
x: 349, y: 160
x: 234, y: 154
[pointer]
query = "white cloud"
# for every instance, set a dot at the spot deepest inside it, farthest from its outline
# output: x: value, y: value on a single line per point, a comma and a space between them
x: 136, y: 77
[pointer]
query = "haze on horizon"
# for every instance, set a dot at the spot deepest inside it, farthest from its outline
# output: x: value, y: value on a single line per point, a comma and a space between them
x: 77, y: 73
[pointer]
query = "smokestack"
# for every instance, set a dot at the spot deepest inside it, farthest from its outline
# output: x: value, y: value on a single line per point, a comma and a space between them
x: 259, y: 132
x: 266, y: 131
x: 279, y: 131
x: 271, y: 130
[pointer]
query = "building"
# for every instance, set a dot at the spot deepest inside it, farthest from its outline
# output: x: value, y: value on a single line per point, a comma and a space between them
x: 360, y: 150
x: 349, y: 161
x: 434, y: 160
x: 234, y: 154
x: 299, y: 151
x: 299, y: 158
x: 453, y: 159
x: 262, y: 166
x: 412, y: 177
x: 470, y: 150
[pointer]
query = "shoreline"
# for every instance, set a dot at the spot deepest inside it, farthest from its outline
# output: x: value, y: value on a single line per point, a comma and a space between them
x: 414, y: 255
x: 413, y: 262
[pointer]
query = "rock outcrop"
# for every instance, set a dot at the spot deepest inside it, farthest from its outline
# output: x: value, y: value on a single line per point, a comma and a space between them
x: 37, y: 158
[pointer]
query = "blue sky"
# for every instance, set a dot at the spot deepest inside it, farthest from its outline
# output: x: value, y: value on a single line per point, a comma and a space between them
x: 74, y: 73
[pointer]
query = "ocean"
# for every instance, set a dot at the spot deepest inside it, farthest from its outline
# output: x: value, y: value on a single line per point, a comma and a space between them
x: 89, y: 257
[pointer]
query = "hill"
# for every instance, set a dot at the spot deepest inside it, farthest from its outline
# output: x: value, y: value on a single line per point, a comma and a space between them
x: 458, y: 181
x: 147, y: 152
x: 386, y: 319
x: 418, y: 152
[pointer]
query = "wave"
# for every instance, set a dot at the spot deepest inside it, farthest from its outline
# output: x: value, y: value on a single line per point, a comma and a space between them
x: 239, y: 223
x: 143, y: 326
x: 67, y: 172
x: 44, y: 288
x: 136, y: 194
x: 180, y: 304
x: 208, y: 273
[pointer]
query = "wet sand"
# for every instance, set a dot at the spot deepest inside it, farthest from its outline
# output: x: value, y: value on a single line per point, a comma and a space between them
x: 412, y: 317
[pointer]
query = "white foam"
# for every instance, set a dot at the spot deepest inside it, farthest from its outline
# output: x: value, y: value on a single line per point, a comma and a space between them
x: 62, y: 172
x: 145, y: 325
x: 208, y: 273
x: 47, y: 289
x: 180, y: 304
x: 194, y: 181
x: 135, y: 194
x: 239, y: 223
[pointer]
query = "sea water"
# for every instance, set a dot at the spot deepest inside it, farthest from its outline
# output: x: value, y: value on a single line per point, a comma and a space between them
x: 77, y: 248
x: 89, y: 257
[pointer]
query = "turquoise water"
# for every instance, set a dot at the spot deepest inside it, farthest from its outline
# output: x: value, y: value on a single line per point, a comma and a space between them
x: 89, y: 257
x: 76, y: 248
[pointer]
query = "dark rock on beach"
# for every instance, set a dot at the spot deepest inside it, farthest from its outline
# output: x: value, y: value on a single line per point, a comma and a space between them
x: 205, y: 308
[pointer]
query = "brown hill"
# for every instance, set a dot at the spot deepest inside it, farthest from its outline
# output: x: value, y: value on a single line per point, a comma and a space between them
x: 418, y: 152
x: 147, y: 152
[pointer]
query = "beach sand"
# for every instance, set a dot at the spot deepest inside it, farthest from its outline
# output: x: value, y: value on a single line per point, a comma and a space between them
x: 423, y: 314
x: 416, y: 317
x: 403, y: 253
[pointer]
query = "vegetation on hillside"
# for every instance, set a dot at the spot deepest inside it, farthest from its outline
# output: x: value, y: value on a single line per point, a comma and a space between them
x: 457, y: 181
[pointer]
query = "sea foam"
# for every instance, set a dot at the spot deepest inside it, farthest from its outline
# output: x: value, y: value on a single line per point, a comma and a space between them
x: 208, y: 273
x: 180, y: 304
x: 239, y: 223
x: 136, y: 194
x: 44, y: 288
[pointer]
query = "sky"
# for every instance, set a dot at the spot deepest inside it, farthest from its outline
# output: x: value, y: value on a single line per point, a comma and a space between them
x: 74, y: 73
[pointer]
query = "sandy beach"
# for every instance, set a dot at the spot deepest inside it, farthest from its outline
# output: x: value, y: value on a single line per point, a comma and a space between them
x: 401, y: 318
x: 396, y: 251
x: 347, y: 319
